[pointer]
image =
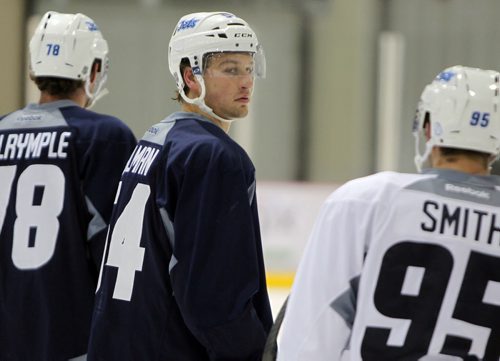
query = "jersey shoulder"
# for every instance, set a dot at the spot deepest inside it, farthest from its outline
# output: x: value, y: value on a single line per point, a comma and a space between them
x: 81, y: 116
x: 204, y: 144
x: 96, y: 125
x: 376, y: 187
x: 6, y: 115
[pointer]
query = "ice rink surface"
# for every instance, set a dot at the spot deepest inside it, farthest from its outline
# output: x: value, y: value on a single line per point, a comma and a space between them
x: 277, y: 296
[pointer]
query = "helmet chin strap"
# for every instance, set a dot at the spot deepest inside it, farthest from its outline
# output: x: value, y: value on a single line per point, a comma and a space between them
x: 92, y: 98
x: 200, y: 101
x: 420, y: 159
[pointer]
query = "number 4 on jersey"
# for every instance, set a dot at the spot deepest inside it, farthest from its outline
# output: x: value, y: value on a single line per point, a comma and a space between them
x: 125, y: 251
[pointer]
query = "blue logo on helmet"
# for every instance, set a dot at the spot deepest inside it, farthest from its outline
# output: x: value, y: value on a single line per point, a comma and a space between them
x: 446, y: 76
x: 187, y: 24
x: 91, y: 26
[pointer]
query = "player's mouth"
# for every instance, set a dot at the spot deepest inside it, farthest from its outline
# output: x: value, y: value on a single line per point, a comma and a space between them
x: 243, y: 99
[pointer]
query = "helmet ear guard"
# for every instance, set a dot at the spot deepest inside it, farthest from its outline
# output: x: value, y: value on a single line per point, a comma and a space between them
x: 67, y: 46
x: 199, y: 34
x: 461, y: 106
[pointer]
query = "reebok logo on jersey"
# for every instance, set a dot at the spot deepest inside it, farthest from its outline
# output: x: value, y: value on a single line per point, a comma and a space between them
x: 466, y: 190
x: 29, y: 118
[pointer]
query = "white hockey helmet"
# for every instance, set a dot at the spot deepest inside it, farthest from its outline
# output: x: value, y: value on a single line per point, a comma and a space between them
x: 66, y: 46
x: 462, y: 105
x: 198, y: 34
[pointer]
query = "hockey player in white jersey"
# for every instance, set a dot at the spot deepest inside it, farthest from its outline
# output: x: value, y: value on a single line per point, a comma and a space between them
x: 407, y: 266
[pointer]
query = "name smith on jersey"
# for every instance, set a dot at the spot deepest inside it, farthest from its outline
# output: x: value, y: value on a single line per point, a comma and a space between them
x: 34, y: 145
x: 460, y: 221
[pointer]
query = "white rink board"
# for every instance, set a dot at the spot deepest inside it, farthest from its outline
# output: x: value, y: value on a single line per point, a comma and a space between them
x: 287, y: 213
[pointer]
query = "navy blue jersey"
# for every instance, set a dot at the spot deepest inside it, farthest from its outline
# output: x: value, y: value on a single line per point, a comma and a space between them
x: 60, y: 166
x: 183, y: 275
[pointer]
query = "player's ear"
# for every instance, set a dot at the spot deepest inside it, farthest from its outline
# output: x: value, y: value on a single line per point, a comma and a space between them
x: 427, y: 126
x: 190, y: 80
x: 96, y: 67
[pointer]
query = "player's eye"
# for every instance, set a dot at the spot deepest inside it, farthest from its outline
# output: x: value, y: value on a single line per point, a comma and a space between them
x: 230, y: 70
x: 238, y: 71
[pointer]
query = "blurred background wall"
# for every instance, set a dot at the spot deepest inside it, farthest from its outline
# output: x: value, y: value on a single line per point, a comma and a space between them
x: 344, y: 76
x: 12, y: 28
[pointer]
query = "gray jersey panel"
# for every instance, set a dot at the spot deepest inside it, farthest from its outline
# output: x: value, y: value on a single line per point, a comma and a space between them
x: 461, y: 186
x: 37, y: 116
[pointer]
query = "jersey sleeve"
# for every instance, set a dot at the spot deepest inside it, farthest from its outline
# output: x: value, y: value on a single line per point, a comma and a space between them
x: 217, y: 270
x: 321, y: 307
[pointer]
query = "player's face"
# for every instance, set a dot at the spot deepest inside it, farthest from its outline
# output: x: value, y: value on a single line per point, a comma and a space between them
x: 229, y: 81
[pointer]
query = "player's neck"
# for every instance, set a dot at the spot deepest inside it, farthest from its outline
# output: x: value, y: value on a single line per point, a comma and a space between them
x: 78, y: 96
x: 460, y: 163
x: 192, y: 108
x: 473, y: 170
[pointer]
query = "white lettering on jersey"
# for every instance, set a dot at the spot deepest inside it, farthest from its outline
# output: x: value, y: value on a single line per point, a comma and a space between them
x: 33, y: 145
x: 141, y: 159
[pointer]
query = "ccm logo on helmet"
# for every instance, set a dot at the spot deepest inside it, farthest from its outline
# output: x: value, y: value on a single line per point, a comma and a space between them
x: 243, y: 35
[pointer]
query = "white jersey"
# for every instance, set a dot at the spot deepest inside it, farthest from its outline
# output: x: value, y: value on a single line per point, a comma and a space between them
x: 400, y: 267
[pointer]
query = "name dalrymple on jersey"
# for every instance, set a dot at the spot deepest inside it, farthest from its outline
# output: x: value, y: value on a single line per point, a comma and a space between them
x: 141, y: 159
x: 34, y: 145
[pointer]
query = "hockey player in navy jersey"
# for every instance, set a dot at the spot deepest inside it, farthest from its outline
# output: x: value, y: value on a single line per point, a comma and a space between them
x: 183, y: 276
x: 407, y: 266
x: 59, y: 169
